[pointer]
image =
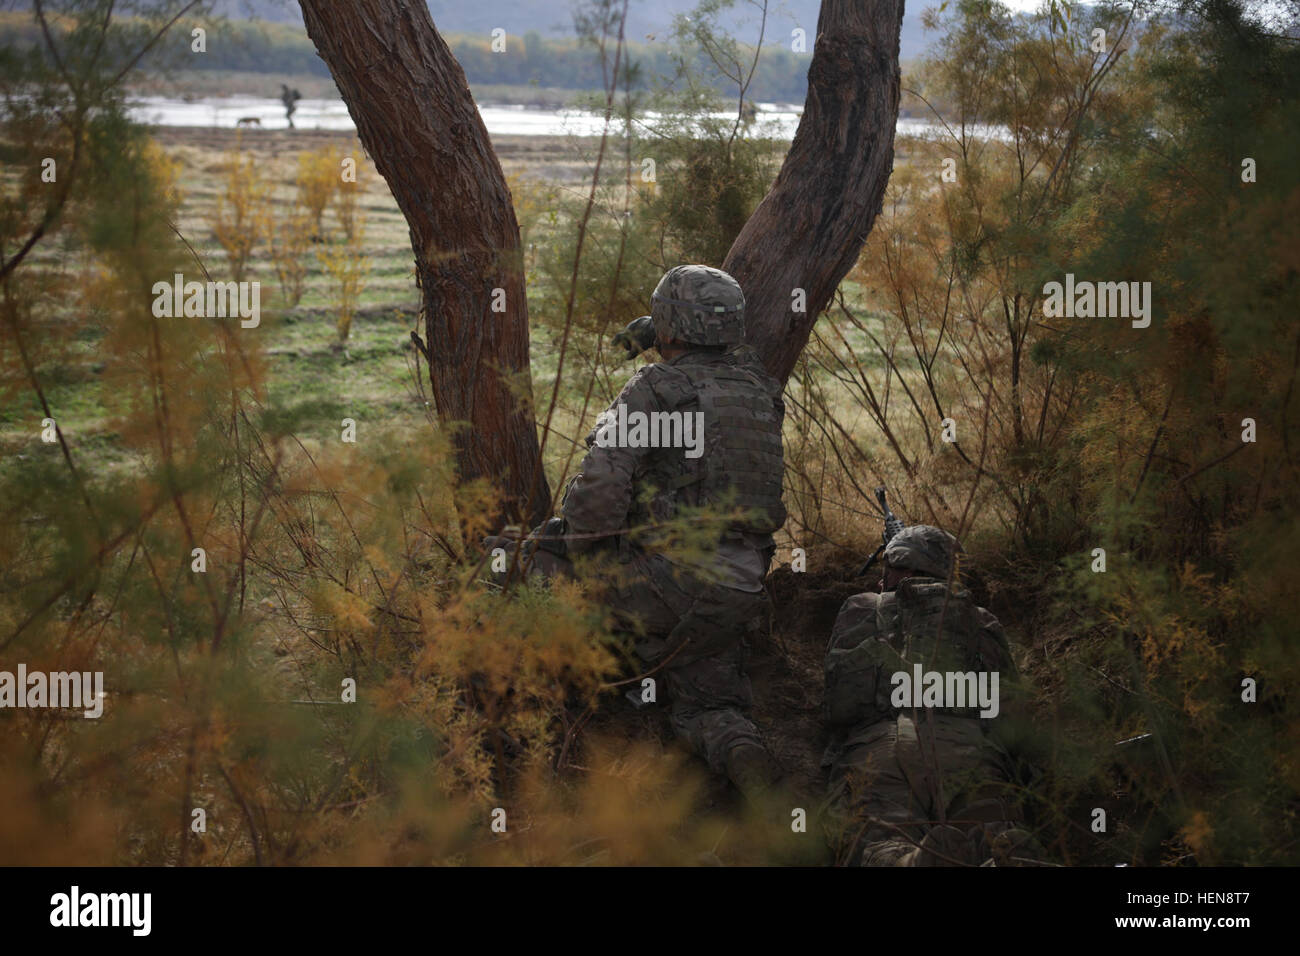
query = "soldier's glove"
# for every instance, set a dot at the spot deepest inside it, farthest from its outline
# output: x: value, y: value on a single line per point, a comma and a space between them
x: 508, y: 538
x: 638, y: 336
x: 549, y: 536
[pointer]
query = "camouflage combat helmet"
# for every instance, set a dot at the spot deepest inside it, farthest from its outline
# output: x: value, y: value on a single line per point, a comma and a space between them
x: 699, y: 305
x: 922, y: 548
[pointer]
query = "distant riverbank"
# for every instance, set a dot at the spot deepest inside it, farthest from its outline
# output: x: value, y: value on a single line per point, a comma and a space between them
x: 332, y: 114
x: 774, y: 120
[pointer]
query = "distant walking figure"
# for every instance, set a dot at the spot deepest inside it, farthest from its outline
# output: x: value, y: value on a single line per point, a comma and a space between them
x: 290, y: 99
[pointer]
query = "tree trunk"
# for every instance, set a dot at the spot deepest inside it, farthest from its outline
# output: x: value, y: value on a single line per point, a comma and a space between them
x: 808, y: 231
x: 415, y: 116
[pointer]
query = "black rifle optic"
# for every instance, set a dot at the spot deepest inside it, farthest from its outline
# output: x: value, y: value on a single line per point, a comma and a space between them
x: 893, y: 525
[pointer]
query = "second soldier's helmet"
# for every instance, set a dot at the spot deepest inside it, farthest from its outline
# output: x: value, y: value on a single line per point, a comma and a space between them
x: 699, y: 305
x: 924, y: 549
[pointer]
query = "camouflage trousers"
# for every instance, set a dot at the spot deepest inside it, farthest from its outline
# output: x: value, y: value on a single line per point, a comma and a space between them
x: 903, y: 795
x: 699, y: 629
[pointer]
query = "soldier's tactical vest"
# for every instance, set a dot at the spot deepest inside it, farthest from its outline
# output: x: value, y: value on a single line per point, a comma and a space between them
x: 742, y: 463
x: 878, y: 635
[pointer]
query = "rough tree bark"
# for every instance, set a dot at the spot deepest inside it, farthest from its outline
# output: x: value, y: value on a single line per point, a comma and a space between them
x: 807, y: 232
x: 415, y: 116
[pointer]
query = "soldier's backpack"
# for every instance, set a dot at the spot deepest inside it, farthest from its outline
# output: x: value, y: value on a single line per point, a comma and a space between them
x: 742, y: 461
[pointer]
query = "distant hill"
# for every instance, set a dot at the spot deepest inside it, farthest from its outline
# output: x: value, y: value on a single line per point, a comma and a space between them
x: 645, y: 18
x: 544, y: 53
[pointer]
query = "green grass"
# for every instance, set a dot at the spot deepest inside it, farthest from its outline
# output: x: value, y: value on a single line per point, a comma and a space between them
x: 310, y: 378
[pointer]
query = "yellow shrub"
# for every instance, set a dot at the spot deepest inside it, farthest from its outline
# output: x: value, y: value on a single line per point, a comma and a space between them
x: 318, y: 177
x: 346, y: 264
x: 239, y: 214
x: 287, y: 239
x: 350, y: 190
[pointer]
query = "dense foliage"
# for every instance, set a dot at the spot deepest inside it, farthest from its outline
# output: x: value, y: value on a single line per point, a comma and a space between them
x: 292, y: 625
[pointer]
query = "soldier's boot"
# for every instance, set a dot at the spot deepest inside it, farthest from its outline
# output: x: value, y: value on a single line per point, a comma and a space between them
x: 771, y: 800
x: 1007, y: 845
x: 886, y: 853
x: 754, y: 772
x: 943, y: 845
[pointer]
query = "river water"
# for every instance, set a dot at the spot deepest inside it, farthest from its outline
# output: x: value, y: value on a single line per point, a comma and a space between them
x: 776, y: 120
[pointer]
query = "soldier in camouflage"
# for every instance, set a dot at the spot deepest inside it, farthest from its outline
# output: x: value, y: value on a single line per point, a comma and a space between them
x: 689, y: 605
x: 916, y: 786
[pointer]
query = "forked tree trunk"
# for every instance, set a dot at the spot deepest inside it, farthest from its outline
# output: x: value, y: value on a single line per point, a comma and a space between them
x: 807, y: 232
x: 415, y: 115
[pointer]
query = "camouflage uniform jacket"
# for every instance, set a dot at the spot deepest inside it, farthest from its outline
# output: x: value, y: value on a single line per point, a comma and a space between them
x: 631, y: 492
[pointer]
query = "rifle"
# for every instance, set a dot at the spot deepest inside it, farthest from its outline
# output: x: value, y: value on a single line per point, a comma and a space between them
x: 893, y: 525
x: 638, y: 336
